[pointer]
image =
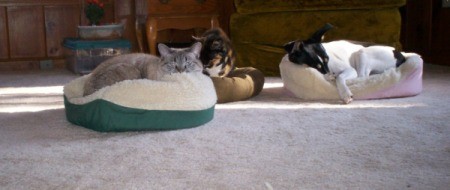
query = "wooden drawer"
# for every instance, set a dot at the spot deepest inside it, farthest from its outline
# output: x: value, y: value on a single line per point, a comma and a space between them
x: 180, y: 7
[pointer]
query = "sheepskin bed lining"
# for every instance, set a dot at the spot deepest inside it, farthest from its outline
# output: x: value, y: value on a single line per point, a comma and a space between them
x: 185, y: 91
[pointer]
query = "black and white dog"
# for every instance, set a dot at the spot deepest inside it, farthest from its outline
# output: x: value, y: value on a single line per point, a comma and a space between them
x: 342, y: 60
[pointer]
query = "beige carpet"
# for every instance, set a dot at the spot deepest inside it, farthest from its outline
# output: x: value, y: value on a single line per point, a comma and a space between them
x: 272, y: 141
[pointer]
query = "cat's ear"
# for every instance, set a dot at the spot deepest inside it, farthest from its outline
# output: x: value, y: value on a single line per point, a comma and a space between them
x: 196, y: 48
x: 164, y: 50
x: 199, y: 39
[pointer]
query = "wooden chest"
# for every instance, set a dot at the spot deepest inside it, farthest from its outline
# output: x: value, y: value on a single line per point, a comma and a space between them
x: 179, y: 14
x: 182, y: 7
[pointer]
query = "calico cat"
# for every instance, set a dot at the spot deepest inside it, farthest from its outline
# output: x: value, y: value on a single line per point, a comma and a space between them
x: 217, y: 54
x: 144, y: 66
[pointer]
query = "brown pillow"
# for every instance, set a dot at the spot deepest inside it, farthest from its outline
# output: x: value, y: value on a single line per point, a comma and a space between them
x: 241, y: 84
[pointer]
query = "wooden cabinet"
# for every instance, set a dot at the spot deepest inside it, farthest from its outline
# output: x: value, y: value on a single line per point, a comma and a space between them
x: 60, y: 22
x: 26, y: 34
x: 33, y: 30
x: 4, y: 54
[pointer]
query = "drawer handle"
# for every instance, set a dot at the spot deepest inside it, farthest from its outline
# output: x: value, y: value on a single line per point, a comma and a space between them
x: 201, y: 1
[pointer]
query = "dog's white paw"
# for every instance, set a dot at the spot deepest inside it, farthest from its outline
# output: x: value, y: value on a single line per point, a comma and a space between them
x: 347, y: 100
x: 347, y: 97
x: 330, y: 77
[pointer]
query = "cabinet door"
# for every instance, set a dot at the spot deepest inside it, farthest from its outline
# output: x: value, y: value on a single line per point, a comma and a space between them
x: 60, y: 22
x: 26, y: 31
x: 3, y: 34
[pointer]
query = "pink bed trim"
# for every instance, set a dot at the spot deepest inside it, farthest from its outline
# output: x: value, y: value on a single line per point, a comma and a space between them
x: 410, y: 85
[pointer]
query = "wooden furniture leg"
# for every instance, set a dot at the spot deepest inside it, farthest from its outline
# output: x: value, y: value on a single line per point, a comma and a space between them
x: 139, y: 36
x: 152, y: 33
x: 214, y: 22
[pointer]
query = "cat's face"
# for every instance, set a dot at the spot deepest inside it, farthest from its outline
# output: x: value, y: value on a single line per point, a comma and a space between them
x: 181, y: 60
x: 217, y: 54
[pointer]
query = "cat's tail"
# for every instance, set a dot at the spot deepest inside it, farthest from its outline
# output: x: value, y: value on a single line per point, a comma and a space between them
x: 88, y: 87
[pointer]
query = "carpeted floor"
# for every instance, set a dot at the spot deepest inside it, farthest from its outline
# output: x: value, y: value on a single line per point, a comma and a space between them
x: 272, y: 141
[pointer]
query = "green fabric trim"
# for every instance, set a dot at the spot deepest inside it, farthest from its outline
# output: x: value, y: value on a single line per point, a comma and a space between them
x: 104, y: 116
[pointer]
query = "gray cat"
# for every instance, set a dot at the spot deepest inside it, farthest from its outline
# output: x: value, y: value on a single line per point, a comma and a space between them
x: 144, y: 66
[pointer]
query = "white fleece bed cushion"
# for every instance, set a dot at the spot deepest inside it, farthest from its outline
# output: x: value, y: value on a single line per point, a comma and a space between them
x: 307, y: 83
x: 177, y: 101
x: 193, y: 91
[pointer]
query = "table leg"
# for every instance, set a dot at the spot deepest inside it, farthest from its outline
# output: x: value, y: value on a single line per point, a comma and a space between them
x: 152, y: 33
x: 214, y: 22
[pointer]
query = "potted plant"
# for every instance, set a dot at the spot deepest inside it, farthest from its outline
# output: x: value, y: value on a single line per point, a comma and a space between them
x: 94, y: 11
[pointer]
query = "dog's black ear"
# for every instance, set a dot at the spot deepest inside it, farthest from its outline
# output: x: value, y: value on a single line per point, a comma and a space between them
x: 289, y: 46
x: 318, y: 35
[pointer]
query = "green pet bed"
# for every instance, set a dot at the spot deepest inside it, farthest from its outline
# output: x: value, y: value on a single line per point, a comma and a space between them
x: 177, y: 101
